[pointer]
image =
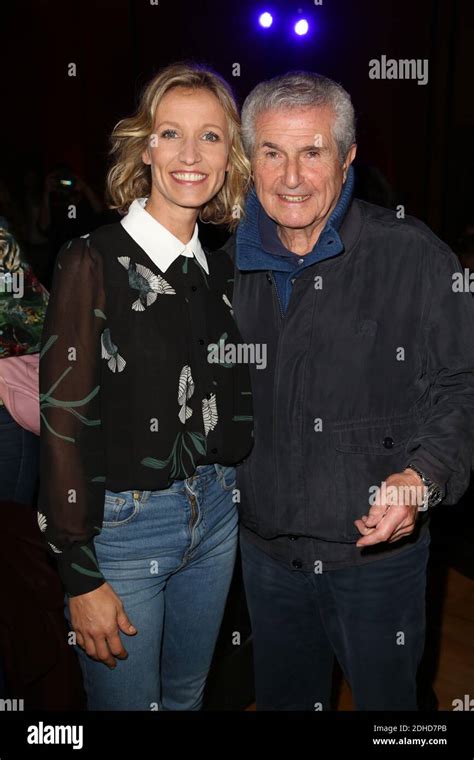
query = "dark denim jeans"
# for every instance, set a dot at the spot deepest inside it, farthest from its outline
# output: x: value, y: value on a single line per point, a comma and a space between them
x: 19, y: 460
x: 371, y: 617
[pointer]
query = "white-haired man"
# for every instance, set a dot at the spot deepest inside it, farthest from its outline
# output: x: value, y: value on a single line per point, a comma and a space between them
x: 364, y: 414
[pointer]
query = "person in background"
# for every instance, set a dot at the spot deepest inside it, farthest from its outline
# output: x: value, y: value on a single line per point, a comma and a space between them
x: 36, y: 243
x: 23, y: 302
x: 69, y: 208
x: 36, y: 663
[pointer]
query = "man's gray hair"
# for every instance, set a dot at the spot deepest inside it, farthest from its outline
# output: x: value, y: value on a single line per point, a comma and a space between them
x: 300, y: 89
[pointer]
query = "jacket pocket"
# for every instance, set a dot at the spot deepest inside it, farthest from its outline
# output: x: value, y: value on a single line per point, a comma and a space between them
x: 366, y: 453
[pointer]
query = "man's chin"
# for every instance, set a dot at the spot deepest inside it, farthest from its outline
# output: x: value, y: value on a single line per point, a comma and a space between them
x: 295, y: 221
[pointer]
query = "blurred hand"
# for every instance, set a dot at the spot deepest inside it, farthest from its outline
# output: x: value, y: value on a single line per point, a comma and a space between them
x: 97, y: 618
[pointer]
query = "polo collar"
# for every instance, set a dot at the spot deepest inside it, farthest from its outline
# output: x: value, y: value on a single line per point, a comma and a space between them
x: 159, y: 243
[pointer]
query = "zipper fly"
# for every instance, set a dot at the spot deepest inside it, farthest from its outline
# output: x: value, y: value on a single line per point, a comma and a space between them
x: 192, y: 499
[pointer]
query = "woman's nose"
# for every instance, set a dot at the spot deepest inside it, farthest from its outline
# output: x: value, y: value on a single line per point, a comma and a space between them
x: 189, y: 152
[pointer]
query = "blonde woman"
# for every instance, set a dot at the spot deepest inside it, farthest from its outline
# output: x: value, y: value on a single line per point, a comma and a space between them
x: 141, y: 432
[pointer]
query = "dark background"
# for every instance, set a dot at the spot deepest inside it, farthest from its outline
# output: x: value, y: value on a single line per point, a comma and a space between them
x: 418, y: 136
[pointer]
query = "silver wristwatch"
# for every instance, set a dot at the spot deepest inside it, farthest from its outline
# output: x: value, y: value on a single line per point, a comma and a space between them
x: 433, y: 492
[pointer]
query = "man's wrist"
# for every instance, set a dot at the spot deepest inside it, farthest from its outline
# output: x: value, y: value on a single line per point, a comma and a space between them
x: 433, y: 493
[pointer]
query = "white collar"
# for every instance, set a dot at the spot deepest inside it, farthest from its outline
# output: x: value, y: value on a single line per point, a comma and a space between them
x: 159, y: 243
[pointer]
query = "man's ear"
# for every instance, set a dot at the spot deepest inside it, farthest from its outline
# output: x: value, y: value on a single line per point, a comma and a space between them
x: 351, y: 154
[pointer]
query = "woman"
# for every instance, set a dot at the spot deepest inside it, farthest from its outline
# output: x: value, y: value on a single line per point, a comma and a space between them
x: 140, y: 432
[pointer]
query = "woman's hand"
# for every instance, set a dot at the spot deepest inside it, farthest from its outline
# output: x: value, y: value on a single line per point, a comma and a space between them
x: 97, y: 617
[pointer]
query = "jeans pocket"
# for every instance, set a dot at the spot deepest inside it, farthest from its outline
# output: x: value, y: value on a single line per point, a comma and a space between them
x: 227, y: 476
x: 119, y: 509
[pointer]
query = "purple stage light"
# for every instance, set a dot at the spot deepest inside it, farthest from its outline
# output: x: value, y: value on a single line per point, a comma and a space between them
x: 301, y: 27
x: 265, y: 20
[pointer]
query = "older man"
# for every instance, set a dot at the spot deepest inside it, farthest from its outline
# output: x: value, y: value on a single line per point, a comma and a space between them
x: 364, y: 414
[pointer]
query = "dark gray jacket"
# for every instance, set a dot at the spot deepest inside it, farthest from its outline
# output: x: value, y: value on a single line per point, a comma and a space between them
x: 365, y: 374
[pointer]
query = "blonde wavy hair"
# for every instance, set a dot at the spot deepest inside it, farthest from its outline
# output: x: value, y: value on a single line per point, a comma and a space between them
x: 129, y: 178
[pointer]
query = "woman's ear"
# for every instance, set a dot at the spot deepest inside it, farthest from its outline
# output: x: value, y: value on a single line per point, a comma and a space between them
x: 146, y: 158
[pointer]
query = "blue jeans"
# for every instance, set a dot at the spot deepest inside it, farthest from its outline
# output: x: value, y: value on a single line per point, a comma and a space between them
x: 169, y: 555
x: 19, y: 460
x: 371, y: 617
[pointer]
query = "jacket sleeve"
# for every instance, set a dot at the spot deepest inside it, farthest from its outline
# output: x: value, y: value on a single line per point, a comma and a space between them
x: 444, y: 446
x: 72, y: 459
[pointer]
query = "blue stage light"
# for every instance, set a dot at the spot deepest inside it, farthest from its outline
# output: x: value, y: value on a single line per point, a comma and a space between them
x: 301, y: 27
x: 265, y: 20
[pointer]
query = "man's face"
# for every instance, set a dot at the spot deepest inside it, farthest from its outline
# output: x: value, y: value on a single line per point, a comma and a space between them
x: 296, y: 168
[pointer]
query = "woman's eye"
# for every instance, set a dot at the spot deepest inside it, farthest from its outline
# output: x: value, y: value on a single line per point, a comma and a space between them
x: 211, y: 137
x: 168, y: 133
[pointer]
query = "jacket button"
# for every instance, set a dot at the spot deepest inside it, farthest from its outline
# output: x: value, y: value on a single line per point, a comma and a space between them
x: 293, y: 538
x: 388, y: 442
x: 214, y: 451
x: 297, y: 563
x: 269, y: 277
x: 201, y: 342
x: 194, y: 288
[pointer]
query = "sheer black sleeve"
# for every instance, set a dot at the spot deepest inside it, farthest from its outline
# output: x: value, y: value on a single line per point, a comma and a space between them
x: 72, y: 459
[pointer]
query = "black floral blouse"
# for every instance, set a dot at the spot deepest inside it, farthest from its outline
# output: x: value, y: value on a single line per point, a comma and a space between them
x: 129, y: 400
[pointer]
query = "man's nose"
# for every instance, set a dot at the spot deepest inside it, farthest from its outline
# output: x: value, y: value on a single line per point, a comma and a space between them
x: 292, y: 175
x: 189, y: 152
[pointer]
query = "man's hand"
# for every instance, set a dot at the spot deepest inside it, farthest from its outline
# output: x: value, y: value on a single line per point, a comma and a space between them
x: 394, y: 515
x: 96, y: 617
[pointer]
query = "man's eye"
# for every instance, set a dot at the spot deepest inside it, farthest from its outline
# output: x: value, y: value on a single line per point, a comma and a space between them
x: 271, y: 154
x: 313, y: 153
x: 211, y: 137
x: 168, y: 133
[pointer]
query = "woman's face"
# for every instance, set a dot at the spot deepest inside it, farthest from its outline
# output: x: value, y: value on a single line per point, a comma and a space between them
x: 188, y: 151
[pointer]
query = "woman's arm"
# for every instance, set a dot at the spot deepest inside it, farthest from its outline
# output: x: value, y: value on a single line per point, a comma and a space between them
x: 72, y: 461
